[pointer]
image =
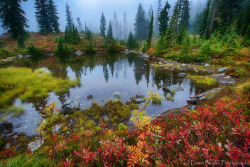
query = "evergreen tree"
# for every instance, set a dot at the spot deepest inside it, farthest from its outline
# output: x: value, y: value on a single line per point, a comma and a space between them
x: 243, y: 20
x: 141, y: 25
x: 13, y: 20
x: 69, y: 17
x: 174, y: 21
x: 204, y: 21
x: 159, y: 9
x: 228, y: 10
x: 132, y: 44
x: 163, y: 19
x: 72, y: 35
x: 150, y: 32
x: 42, y: 16
x: 197, y: 22
x: 103, y: 25
x: 79, y: 25
x: 110, y: 32
x: 185, y: 51
x: 53, y: 18
x: 184, y: 11
x: 181, y: 36
x: 115, y: 26
x: 150, y: 11
x: 125, y: 27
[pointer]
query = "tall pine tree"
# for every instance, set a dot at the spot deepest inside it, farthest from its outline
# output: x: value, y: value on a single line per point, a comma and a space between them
x: 42, y: 16
x: 103, y: 25
x: 53, y: 16
x: 163, y: 19
x: 79, y: 25
x: 141, y: 25
x: 184, y: 11
x: 46, y: 15
x: 69, y: 17
x: 159, y: 8
x: 110, y: 33
x: 150, y: 32
x: 205, y: 21
x: 13, y: 20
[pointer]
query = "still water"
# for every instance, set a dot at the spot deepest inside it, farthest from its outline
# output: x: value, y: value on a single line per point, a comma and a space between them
x: 101, y: 76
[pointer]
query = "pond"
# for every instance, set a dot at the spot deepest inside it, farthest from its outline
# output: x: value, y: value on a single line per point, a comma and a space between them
x: 101, y: 76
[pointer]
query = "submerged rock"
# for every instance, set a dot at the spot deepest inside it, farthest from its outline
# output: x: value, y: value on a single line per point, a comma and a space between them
x: 173, y: 89
x: 35, y: 144
x: 89, y: 97
x: 70, y: 106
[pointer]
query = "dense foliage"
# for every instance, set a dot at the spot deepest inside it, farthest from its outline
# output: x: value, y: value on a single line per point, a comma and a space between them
x: 218, y: 133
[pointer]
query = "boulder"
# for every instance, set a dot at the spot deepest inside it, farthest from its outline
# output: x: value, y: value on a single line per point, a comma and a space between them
x: 224, y: 69
x: 35, y: 144
x: 69, y: 106
x: 182, y: 75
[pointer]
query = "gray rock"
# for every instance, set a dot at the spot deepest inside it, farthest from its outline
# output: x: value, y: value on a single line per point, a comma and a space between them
x: 69, y: 106
x: 184, y: 65
x: 19, y: 56
x: 182, y: 75
x: 207, y: 65
x: 222, y: 69
x: 35, y: 144
x: 56, y: 129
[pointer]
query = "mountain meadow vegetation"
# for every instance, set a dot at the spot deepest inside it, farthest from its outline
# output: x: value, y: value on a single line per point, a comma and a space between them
x: 215, y: 42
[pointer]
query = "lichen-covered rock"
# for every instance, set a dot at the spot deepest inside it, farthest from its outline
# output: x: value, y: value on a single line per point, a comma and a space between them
x: 70, y: 106
x: 35, y: 144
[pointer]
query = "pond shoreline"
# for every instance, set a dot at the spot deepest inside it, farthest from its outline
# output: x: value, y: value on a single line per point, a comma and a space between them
x: 153, y: 62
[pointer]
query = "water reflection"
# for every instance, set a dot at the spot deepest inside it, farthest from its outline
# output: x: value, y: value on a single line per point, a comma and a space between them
x: 101, y: 76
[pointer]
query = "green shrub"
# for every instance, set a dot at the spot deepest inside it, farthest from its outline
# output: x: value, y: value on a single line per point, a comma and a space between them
x: 5, y: 53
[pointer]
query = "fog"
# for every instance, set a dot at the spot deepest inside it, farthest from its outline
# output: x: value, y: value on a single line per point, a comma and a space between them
x: 89, y: 11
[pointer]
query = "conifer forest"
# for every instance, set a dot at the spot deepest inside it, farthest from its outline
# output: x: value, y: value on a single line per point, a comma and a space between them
x: 117, y: 83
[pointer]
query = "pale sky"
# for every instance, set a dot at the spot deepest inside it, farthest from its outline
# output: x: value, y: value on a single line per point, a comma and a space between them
x: 90, y: 10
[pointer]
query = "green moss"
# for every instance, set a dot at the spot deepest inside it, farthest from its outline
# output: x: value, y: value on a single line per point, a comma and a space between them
x: 206, y: 80
x: 115, y: 110
x: 23, y: 83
